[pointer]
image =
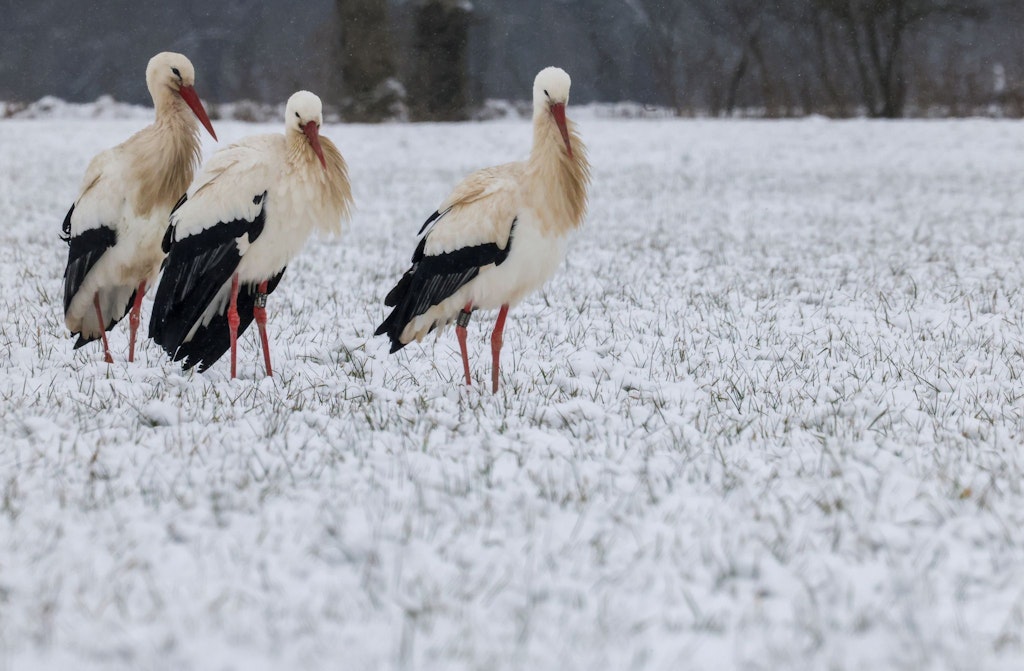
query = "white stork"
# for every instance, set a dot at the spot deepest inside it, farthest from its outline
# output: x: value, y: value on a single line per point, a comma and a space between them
x: 500, y: 234
x: 114, y: 228
x: 231, y: 236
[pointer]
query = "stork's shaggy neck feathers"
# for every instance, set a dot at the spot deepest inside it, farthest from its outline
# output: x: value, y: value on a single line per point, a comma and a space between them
x: 165, y: 154
x: 334, y: 180
x: 553, y: 178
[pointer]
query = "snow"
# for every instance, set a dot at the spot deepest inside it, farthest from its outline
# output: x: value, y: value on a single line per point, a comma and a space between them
x: 768, y: 416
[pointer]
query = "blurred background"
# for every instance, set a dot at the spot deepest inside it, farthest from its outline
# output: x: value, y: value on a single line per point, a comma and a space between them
x: 444, y: 59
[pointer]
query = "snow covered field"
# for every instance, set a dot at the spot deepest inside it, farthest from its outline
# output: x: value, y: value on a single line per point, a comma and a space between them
x: 769, y: 415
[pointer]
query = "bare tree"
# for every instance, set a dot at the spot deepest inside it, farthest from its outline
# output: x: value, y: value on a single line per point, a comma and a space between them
x: 367, y: 61
x: 738, y: 26
x: 438, y: 89
x: 874, y: 33
x: 663, y: 27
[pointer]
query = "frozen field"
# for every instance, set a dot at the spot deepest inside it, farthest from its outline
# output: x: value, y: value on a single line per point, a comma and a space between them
x: 769, y: 415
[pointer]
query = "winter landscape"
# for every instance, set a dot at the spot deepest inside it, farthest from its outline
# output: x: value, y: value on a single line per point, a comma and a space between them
x: 768, y: 415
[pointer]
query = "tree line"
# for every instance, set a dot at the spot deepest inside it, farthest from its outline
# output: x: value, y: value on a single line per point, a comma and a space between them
x: 840, y: 58
x: 442, y: 59
x: 879, y: 58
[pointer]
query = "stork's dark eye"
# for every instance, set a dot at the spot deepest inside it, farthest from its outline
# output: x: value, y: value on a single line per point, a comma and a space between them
x: 297, y: 116
x: 546, y: 93
x: 177, y: 72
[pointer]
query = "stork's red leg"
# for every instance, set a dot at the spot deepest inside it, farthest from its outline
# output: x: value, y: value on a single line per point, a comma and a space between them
x: 135, y: 318
x: 499, y: 328
x: 103, y: 329
x: 460, y: 333
x: 259, y: 313
x: 233, y: 322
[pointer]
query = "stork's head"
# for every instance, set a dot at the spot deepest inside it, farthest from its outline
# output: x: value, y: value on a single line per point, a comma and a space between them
x: 550, y: 96
x: 171, y: 70
x: 304, y: 114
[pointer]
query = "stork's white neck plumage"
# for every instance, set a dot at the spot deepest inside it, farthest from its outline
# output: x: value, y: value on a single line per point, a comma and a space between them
x: 171, y: 109
x: 300, y: 153
x: 557, y: 181
x: 165, y: 155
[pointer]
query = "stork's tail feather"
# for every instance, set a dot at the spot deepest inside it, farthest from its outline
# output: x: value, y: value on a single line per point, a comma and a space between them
x: 82, y: 340
x: 210, y: 342
x: 396, y: 321
x: 112, y: 321
x: 432, y: 279
x: 393, y: 327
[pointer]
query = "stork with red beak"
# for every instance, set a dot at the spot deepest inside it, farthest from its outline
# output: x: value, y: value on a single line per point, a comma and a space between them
x: 499, y: 236
x: 231, y: 236
x: 115, y: 227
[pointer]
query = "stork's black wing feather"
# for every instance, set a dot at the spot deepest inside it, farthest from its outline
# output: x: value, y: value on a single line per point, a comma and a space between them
x: 432, y: 218
x: 65, y: 228
x: 84, y: 250
x: 165, y: 244
x: 196, y: 268
x: 432, y: 279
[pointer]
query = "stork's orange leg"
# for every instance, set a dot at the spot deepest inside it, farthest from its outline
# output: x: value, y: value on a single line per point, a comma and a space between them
x: 135, y: 318
x: 460, y: 333
x: 499, y: 328
x: 233, y: 322
x: 103, y: 328
x: 259, y: 313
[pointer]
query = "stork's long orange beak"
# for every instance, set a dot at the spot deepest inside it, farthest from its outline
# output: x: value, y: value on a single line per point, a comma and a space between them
x: 312, y: 132
x: 558, y: 111
x: 191, y: 98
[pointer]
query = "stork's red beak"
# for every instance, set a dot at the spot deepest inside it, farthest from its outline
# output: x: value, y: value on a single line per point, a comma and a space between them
x: 558, y: 111
x: 191, y: 98
x: 312, y: 132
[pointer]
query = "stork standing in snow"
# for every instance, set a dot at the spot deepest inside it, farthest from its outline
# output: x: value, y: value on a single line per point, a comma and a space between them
x: 115, y: 227
x: 231, y: 236
x: 500, y: 234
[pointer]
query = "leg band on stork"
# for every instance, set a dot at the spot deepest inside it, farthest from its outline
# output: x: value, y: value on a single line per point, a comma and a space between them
x: 460, y: 332
x: 259, y: 313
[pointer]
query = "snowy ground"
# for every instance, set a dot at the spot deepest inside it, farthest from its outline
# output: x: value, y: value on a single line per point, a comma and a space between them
x: 769, y: 416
